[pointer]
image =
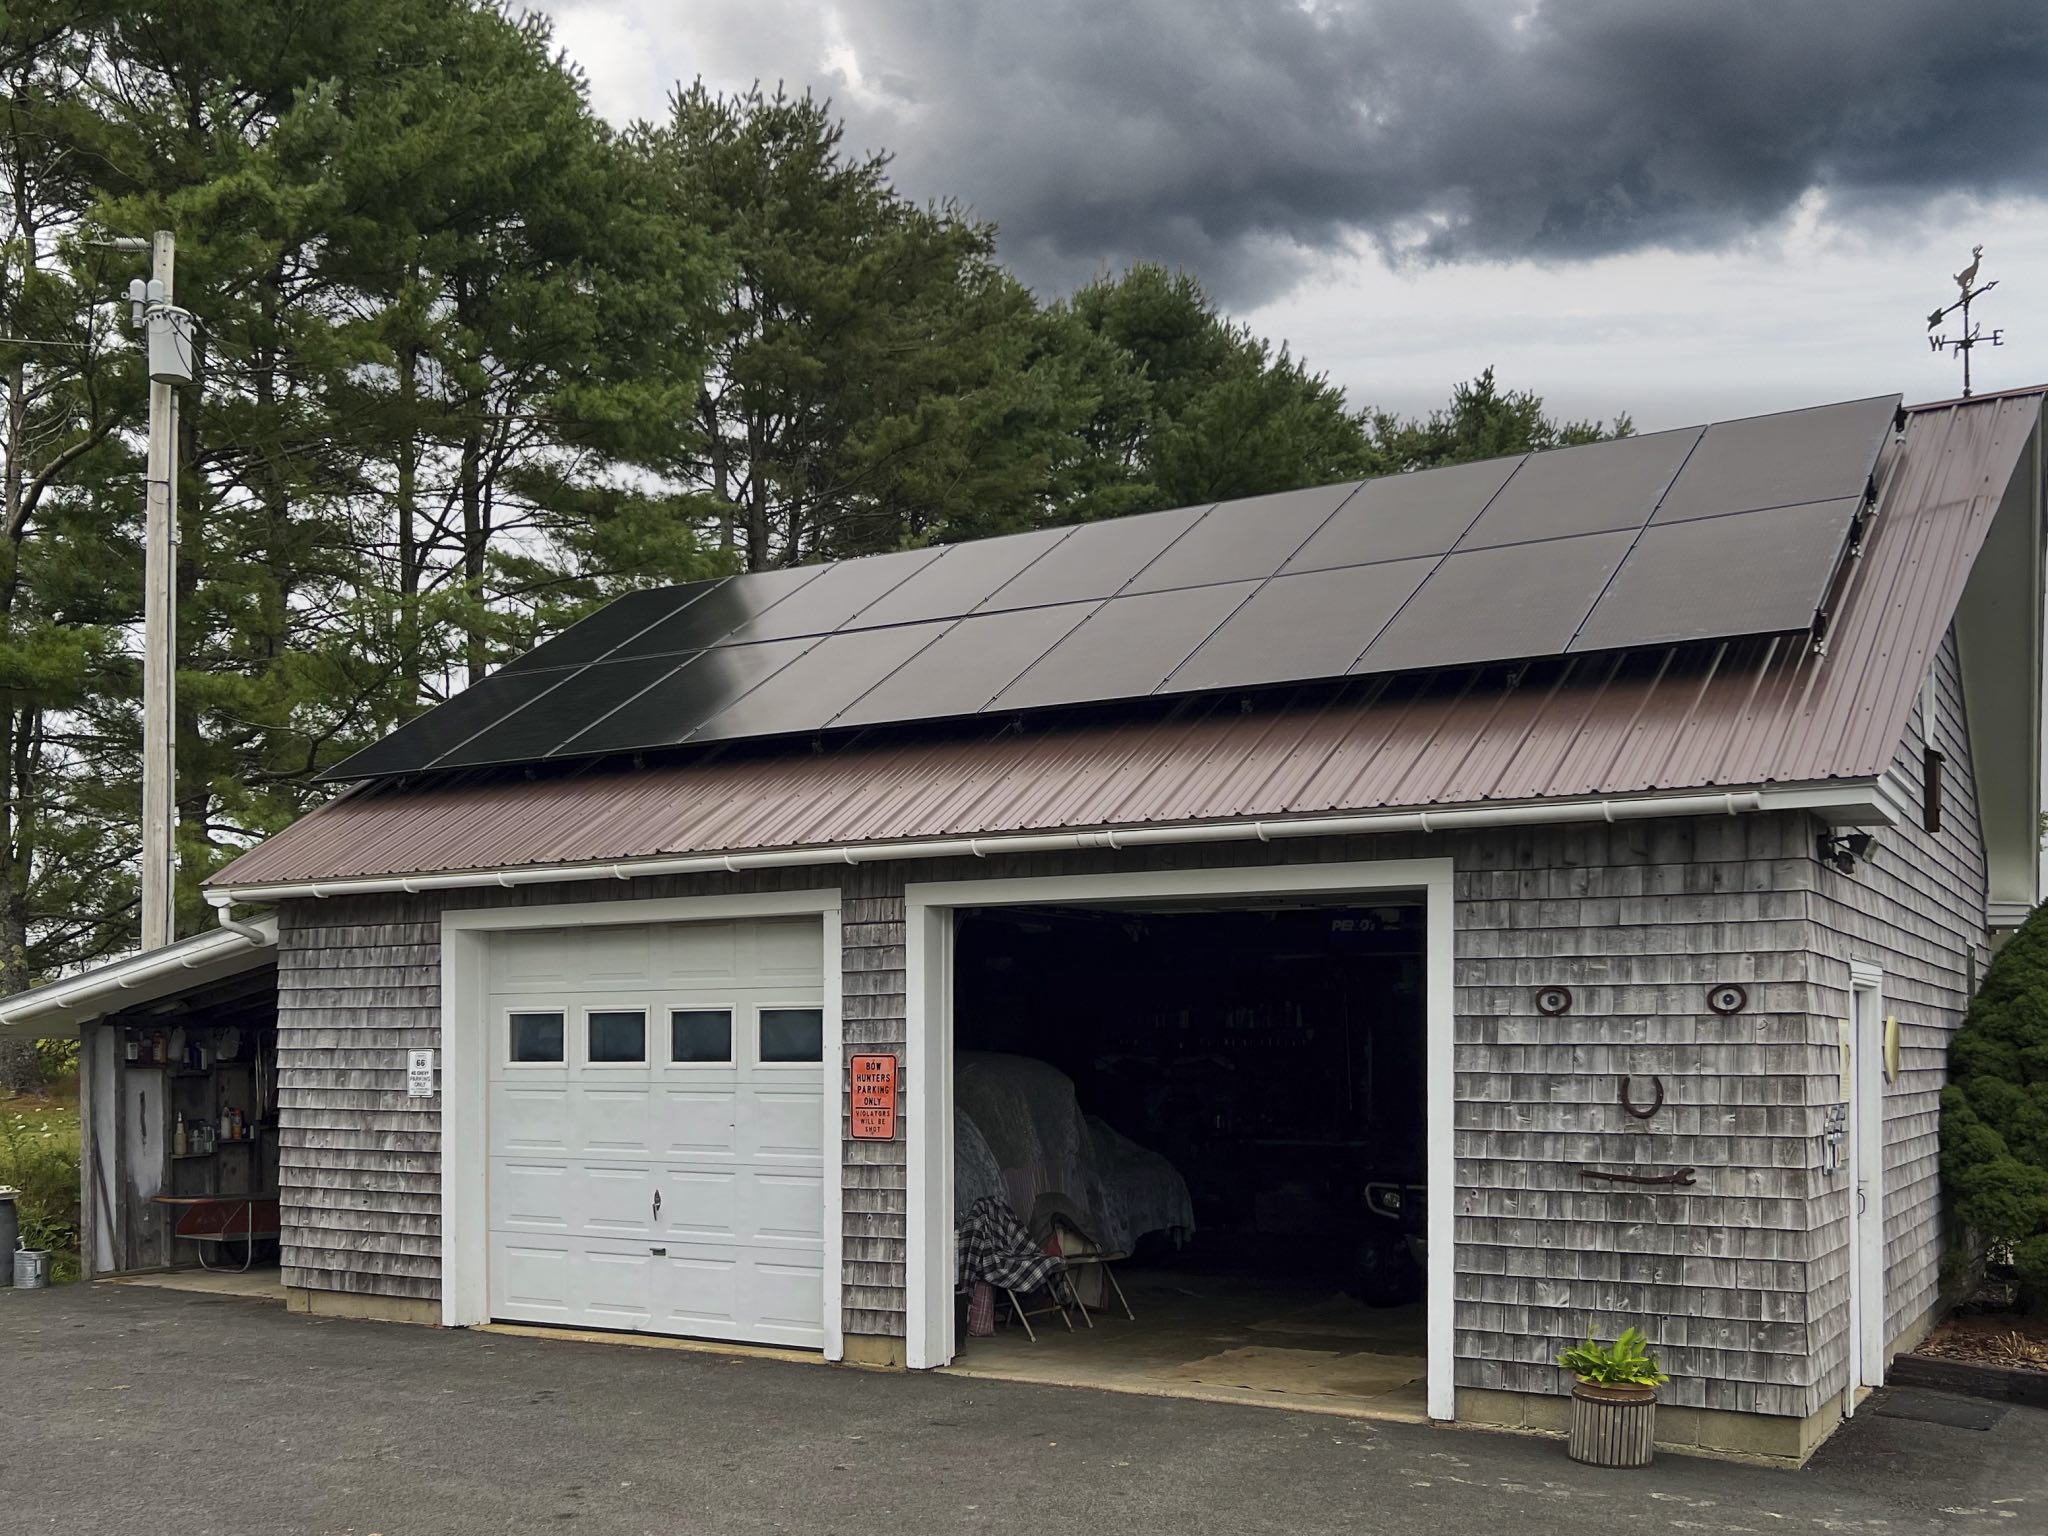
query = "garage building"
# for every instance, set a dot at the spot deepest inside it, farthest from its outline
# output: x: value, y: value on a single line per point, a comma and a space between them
x: 1559, y: 876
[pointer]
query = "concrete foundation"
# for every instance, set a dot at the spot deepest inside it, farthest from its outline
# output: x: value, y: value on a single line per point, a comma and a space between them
x: 1702, y: 1431
x: 874, y: 1352
x: 380, y: 1309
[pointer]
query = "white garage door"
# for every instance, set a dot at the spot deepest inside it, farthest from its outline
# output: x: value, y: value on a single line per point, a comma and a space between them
x: 656, y: 1128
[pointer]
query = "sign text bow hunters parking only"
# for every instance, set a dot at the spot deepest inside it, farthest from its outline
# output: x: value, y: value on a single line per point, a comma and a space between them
x: 873, y: 1083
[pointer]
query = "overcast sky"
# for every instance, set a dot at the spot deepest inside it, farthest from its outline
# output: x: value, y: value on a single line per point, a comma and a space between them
x: 1684, y: 210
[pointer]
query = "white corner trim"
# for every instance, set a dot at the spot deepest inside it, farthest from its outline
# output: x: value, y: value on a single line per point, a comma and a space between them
x: 465, y: 1143
x: 928, y: 1099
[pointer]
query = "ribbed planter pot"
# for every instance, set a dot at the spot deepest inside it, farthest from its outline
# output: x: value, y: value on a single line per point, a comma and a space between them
x: 1613, y: 1426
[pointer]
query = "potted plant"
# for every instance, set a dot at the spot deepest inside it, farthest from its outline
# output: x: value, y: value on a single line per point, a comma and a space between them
x: 1614, y: 1401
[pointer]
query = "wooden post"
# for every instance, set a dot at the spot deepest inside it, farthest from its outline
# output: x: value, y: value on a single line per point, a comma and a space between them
x: 88, y: 1154
x: 122, y: 1247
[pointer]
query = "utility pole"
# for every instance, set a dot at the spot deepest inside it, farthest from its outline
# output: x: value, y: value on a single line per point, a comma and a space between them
x: 170, y: 364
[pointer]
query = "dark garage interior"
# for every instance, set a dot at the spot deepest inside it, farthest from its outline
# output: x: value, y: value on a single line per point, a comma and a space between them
x: 1233, y: 1097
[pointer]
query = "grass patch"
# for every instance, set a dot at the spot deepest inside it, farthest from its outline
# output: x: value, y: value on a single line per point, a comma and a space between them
x: 39, y: 1157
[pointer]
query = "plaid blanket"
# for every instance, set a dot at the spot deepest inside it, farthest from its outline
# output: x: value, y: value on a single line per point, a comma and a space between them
x: 995, y: 1247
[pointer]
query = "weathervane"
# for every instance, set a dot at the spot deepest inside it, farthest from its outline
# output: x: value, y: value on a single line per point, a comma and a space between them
x: 1971, y: 335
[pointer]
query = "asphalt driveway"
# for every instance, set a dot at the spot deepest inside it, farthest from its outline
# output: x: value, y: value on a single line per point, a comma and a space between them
x: 129, y: 1410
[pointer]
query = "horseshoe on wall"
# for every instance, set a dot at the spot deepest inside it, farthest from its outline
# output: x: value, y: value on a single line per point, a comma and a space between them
x: 1629, y: 1104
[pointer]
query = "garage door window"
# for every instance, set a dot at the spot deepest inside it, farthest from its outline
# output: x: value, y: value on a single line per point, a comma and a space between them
x: 792, y: 1034
x: 700, y: 1035
x: 537, y: 1037
x: 618, y: 1035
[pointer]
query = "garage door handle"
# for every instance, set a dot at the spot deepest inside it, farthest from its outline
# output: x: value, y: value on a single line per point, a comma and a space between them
x: 657, y: 1205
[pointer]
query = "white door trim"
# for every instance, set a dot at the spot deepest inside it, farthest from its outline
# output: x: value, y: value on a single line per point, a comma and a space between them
x: 1868, y: 1298
x: 465, y: 1159
x: 928, y: 1090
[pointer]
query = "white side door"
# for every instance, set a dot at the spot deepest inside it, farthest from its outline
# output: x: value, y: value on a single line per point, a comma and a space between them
x: 1864, y: 1148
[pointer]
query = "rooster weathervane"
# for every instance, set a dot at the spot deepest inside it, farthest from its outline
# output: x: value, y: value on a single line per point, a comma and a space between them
x: 1970, y: 336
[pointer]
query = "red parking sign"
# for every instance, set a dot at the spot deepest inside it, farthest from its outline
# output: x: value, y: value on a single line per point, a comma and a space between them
x: 874, y: 1098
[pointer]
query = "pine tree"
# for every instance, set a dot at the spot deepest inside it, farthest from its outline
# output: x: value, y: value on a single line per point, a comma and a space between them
x: 438, y: 335
x: 1482, y: 421
x: 67, y: 575
x: 874, y: 374
x: 1220, y: 413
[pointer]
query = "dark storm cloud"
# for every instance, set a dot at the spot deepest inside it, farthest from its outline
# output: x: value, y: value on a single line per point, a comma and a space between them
x: 1244, y: 137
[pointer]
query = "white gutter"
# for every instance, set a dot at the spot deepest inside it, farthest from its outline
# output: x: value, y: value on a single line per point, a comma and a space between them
x: 1859, y: 802
x: 137, y: 971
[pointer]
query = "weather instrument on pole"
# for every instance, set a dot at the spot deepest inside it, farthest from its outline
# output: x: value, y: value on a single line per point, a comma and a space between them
x: 1972, y: 335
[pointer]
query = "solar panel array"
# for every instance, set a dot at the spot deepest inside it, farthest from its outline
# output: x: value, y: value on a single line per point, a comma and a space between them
x: 1737, y: 528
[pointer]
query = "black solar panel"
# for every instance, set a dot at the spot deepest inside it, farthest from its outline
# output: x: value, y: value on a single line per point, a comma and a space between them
x: 670, y: 712
x: 612, y: 625
x: 1593, y: 488
x: 1496, y: 604
x: 1734, y: 529
x: 587, y: 694
x: 1751, y: 573
x: 418, y: 742
x: 966, y: 667
x: 831, y: 602
x: 960, y: 580
x: 1242, y: 540
x: 718, y: 613
x: 1126, y: 648
x: 1094, y: 559
x: 806, y: 694
x: 1315, y: 624
x: 1401, y: 516
x: 1776, y: 461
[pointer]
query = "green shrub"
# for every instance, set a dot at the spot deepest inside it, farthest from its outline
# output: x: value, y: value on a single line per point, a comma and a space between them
x: 42, y: 1163
x: 1994, y: 1112
x: 1627, y: 1362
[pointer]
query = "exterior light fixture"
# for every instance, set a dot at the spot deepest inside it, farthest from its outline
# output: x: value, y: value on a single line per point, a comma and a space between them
x: 1843, y: 849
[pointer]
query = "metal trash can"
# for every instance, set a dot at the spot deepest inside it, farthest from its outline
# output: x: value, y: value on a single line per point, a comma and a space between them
x: 10, y: 1231
x: 31, y: 1268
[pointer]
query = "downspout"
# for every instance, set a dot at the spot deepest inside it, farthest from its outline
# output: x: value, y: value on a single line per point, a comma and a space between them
x: 235, y: 925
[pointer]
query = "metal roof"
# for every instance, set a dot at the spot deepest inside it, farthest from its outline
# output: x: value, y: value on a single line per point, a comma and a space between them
x: 1703, y: 714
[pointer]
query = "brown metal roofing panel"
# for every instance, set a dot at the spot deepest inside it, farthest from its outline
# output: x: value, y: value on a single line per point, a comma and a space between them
x: 1365, y: 769
x: 1938, y: 491
x: 1706, y: 714
x: 1560, y: 742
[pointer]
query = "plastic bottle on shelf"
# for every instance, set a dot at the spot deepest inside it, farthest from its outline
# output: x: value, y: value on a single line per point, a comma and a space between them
x: 180, y: 1141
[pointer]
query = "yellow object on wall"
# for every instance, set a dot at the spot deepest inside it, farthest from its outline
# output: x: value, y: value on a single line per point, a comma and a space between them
x: 1847, y: 1043
x: 1891, y: 1049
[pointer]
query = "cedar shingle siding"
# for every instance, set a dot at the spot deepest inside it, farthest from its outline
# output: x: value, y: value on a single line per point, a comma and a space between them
x: 1740, y: 1280
x: 1917, y: 910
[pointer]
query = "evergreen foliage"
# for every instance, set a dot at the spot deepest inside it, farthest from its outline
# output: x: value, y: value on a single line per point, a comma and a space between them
x: 1994, y: 1111
x: 470, y: 361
